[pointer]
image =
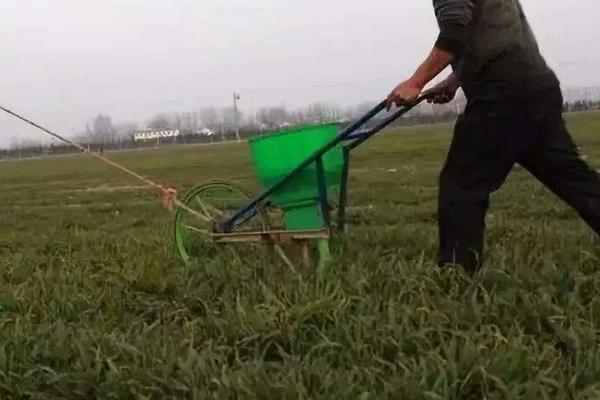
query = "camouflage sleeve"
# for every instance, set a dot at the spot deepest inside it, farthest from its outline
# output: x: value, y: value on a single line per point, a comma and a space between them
x: 455, y: 18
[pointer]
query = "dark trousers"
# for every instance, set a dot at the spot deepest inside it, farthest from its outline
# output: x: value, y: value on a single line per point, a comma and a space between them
x: 490, y: 137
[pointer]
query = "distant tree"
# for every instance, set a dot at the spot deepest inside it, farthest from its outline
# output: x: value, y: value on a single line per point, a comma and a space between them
x: 177, y: 121
x: 315, y: 113
x: 160, y: 122
x: 194, y: 120
x: 188, y: 121
x: 363, y: 108
x: 209, y: 118
x: 321, y: 113
x: 125, y: 132
x: 103, y: 132
x: 125, y: 129
x: 15, y: 143
x: 272, y: 117
x: 299, y: 117
x: 228, y: 117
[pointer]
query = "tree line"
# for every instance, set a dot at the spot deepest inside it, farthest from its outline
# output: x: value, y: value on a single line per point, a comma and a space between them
x: 212, y: 125
x: 581, y: 105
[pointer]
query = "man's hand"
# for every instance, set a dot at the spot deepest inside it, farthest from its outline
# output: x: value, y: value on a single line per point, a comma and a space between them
x: 408, y: 91
x: 445, y: 91
x: 403, y: 94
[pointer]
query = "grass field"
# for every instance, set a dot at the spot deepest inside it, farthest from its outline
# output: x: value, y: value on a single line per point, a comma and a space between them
x: 94, y: 305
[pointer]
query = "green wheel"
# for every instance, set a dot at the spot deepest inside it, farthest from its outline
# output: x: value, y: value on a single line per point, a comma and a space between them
x: 213, y: 202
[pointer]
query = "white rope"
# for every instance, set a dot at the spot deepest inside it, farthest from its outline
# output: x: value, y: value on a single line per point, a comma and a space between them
x: 169, y: 193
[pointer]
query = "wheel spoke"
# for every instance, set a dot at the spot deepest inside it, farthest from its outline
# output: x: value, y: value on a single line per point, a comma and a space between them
x: 215, y: 210
x: 212, y: 202
x: 196, y: 230
x: 200, y: 203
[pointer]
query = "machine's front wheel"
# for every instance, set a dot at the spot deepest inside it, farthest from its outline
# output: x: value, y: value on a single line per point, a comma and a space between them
x: 212, y: 202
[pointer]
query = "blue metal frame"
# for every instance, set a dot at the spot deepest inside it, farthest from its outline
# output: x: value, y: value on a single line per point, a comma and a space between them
x: 341, y: 221
x: 352, y: 140
x: 322, y: 185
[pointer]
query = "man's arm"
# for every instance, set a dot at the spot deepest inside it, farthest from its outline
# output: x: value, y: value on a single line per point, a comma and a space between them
x: 455, y: 18
x: 436, y: 62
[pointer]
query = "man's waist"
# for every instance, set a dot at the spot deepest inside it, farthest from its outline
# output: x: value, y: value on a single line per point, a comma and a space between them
x: 516, y: 86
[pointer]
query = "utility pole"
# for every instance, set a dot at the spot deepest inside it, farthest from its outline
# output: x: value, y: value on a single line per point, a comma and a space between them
x: 236, y: 97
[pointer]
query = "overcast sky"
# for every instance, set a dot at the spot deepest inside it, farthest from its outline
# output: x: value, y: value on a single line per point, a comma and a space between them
x: 64, y: 61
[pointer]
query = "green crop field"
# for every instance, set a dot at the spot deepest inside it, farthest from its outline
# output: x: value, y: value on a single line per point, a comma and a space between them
x: 94, y: 305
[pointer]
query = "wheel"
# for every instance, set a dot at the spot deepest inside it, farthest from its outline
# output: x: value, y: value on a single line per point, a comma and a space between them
x: 213, y: 202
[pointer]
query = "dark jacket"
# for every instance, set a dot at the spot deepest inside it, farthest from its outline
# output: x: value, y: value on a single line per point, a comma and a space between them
x: 497, y: 53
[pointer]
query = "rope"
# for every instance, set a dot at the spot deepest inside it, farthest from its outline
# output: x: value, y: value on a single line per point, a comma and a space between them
x: 113, y: 164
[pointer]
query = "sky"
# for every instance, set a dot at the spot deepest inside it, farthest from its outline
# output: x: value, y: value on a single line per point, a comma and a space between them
x: 64, y: 61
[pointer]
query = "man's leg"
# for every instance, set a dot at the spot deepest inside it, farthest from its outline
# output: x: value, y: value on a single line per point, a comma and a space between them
x: 487, y: 141
x: 555, y: 161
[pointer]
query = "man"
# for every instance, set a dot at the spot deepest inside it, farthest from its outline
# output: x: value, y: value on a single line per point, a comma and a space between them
x: 513, y: 115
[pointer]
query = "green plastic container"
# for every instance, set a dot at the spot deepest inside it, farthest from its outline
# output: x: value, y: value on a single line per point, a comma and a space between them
x: 276, y: 155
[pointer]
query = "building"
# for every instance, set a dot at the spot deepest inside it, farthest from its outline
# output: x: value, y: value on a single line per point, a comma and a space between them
x: 151, y: 135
